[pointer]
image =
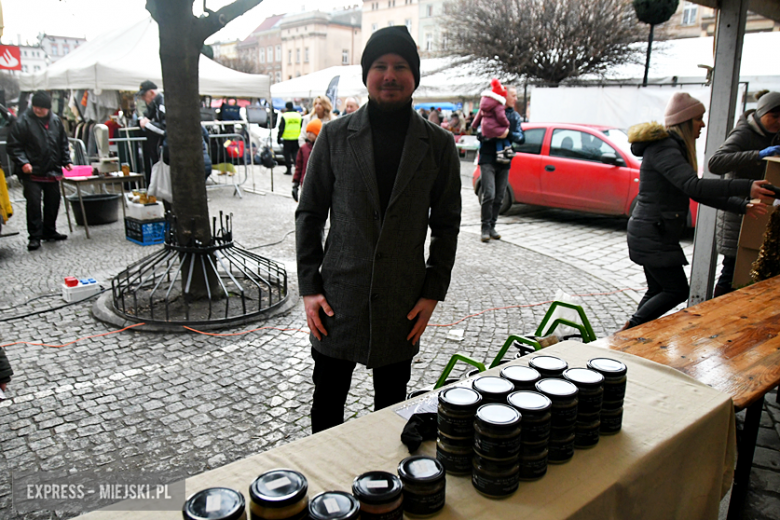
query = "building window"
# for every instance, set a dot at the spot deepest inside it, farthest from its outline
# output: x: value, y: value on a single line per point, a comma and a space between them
x: 24, y: 53
x: 289, y: 57
x: 278, y: 53
x: 298, y: 74
x: 345, y: 57
x: 65, y: 50
x: 429, y: 10
x: 262, y: 55
x: 297, y: 55
x: 36, y: 68
x: 24, y: 68
x: 278, y: 76
x: 270, y: 53
x: 428, y: 41
x: 390, y: 23
x: 306, y: 55
x: 54, y: 50
x: 690, y: 10
x: 374, y: 27
x: 409, y: 25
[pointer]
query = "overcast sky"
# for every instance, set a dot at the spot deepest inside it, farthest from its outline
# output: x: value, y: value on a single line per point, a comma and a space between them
x: 89, y: 18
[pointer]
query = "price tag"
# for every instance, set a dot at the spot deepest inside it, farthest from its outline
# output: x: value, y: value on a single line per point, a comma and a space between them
x: 276, y: 484
x: 423, y: 467
x: 331, y: 505
x: 377, y: 484
x: 213, y: 503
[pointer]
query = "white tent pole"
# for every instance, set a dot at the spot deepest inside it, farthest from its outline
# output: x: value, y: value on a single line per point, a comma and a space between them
x: 730, y: 34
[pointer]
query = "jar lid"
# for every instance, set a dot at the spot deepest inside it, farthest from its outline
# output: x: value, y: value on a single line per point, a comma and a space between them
x: 610, y: 367
x: 548, y: 363
x: 529, y: 401
x: 492, y: 385
x: 377, y: 487
x: 497, y: 414
x: 334, y: 505
x: 583, y: 376
x: 460, y: 397
x: 279, y: 488
x: 420, y: 469
x: 520, y: 374
x: 214, y: 504
x: 557, y: 388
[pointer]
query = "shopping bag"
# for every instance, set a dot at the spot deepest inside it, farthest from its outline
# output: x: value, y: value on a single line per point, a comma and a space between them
x: 160, y: 184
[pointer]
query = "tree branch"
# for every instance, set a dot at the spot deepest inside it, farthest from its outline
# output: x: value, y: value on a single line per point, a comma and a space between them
x: 214, y: 21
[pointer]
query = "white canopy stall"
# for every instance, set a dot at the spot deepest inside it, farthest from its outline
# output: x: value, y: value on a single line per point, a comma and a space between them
x: 121, y: 60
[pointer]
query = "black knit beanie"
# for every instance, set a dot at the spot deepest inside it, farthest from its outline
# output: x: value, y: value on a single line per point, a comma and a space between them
x: 41, y: 100
x: 391, y: 40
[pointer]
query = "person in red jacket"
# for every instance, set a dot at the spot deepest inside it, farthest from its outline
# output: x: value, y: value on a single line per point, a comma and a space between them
x: 302, y: 159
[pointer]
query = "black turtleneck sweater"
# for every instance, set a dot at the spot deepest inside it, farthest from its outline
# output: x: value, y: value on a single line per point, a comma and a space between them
x: 388, y: 130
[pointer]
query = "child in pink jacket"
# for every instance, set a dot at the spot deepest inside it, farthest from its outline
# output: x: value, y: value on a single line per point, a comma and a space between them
x: 495, y: 124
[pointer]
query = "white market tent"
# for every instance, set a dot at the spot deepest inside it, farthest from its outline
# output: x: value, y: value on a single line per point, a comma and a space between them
x: 316, y: 83
x: 122, y: 59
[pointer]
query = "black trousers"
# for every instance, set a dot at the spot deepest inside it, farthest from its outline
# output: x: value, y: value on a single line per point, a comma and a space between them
x: 332, y: 379
x: 726, y: 274
x: 493, y: 177
x: 290, y: 151
x: 667, y: 287
x: 41, y: 224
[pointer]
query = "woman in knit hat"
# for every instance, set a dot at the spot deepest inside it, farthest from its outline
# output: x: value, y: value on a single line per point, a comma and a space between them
x: 668, y: 178
x: 755, y: 136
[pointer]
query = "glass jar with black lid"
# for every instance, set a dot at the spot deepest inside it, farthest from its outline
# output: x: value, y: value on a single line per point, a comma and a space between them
x: 457, y: 407
x: 380, y: 495
x: 497, y: 431
x: 563, y: 395
x: 217, y: 503
x: 280, y: 494
x: 523, y: 378
x: 495, y: 478
x: 425, y: 485
x: 591, y: 389
x: 534, y: 409
x: 615, y: 379
x: 493, y: 389
x: 334, y: 505
x: 548, y: 366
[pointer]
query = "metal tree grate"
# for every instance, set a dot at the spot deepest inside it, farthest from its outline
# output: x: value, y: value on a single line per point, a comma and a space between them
x: 167, y: 287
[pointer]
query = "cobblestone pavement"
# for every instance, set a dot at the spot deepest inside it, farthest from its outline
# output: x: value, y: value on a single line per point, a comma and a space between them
x: 187, y: 402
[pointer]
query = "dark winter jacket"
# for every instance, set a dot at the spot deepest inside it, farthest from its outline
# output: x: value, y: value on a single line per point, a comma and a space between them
x: 31, y: 142
x: 491, y: 116
x: 737, y: 158
x: 515, y: 127
x: 301, y: 160
x: 666, y: 182
x: 5, y: 367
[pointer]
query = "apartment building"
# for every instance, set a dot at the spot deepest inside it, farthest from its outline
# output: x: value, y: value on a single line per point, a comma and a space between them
x: 692, y: 21
x: 383, y: 13
x: 56, y: 47
x: 263, y: 48
x: 33, y: 58
x: 314, y: 40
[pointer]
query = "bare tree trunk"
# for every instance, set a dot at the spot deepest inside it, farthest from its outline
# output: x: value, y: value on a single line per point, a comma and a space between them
x: 181, y: 39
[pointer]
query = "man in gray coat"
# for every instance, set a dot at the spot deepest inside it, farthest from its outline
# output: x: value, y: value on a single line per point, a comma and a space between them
x: 385, y: 176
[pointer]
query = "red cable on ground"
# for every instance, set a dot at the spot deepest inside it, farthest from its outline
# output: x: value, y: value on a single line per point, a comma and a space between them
x: 305, y: 331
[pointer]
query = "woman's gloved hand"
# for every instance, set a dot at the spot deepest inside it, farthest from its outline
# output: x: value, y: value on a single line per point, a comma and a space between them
x: 767, y: 152
x: 295, y: 192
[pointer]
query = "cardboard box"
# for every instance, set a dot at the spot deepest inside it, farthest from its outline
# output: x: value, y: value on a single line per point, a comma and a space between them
x: 751, y: 235
x: 145, y: 211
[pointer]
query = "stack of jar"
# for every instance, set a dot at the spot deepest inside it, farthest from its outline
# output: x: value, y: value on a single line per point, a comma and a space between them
x: 563, y: 396
x: 535, y: 424
x: 615, y: 378
x: 496, y: 470
x: 590, y: 385
x: 455, y: 440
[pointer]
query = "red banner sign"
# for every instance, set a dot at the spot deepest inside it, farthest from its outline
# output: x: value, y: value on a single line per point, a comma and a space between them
x: 10, y: 58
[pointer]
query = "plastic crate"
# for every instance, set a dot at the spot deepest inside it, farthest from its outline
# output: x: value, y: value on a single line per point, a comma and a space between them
x: 145, y: 232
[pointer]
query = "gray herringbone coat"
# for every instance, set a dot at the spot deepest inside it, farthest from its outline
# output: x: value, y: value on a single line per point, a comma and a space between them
x: 372, y: 272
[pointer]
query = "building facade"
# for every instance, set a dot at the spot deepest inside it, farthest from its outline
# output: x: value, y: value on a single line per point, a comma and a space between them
x: 313, y: 41
x: 263, y: 48
x: 34, y: 58
x: 431, y: 29
x: 383, y: 13
x: 56, y: 47
x: 692, y: 21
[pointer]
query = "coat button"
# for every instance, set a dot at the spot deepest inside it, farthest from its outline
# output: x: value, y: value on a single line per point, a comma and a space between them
x: 379, y: 256
x: 376, y: 215
x: 374, y: 297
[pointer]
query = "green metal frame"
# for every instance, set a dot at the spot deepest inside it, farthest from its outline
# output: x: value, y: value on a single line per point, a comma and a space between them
x: 508, y: 343
x: 586, y: 331
x: 453, y: 360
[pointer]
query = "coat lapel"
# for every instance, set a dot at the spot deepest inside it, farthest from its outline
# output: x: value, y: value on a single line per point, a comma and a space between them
x: 362, y: 148
x: 415, y: 149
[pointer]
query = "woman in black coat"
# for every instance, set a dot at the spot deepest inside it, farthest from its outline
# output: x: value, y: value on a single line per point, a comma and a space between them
x: 741, y: 156
x: 668, y: 178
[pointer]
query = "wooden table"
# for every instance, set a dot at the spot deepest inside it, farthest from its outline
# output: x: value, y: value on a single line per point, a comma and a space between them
x: 731, y: 343
x: 78, y: 182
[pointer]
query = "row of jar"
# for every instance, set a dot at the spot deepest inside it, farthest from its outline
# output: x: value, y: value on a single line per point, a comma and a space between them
x: 282, y: 494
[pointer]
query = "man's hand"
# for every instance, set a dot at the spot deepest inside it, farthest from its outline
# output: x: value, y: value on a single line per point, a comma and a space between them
x: 757, y: 190
x: 3, y: 386
x: 27, y: 168
x: 68, y: 166
x: 312, y: 304
x: 754, y: 209
x: 143, y: 122
x: 422, y: 311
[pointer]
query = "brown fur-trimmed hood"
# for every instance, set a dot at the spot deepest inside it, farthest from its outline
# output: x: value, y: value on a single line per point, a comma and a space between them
x: 644, y: 134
